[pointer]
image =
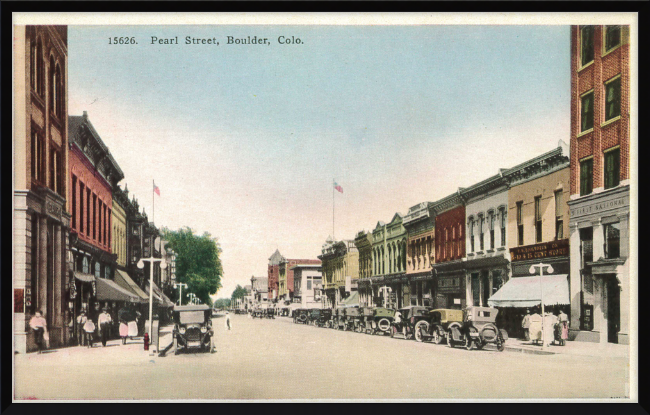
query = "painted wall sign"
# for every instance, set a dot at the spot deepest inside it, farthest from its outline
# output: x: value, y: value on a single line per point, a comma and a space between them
x: 538, y: 251
x: 600, y: 206
x: 19, y: 300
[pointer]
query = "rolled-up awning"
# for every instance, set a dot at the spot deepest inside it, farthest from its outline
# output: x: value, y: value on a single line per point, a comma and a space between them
x: 108, y: 290
x: 158, y: 296
x: 351, y: 301
x: 525, y: 292
x: 123, y: 280
x: 82, y: 276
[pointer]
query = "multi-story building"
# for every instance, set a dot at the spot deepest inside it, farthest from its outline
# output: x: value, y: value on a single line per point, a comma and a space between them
x: 488, y: 259
x: 41, y: 219
x: 449, y: 268
x: 274, y: 274
x: 285, y: 278
x: 600, y: 183
x: 389, y: 261
x: 363, y: 242
x: 340, y: 267
x: 307, y: 285
x: 259, y: 289
x: 419, y: 223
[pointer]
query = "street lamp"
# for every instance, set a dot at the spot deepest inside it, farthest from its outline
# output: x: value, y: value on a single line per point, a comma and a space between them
x: 180, y: 294
x: 533, y: 270
x: 163, y: 265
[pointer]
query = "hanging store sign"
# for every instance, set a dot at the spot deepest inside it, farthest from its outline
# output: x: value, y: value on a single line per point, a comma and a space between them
x: 539, y: 251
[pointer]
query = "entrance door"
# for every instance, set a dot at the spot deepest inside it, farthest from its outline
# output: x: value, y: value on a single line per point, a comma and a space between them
x: 613, y: 309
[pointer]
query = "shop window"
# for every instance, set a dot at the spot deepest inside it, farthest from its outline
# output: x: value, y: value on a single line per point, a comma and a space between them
x: 587, y: 111
x: 613, y: 99
x: 503, y: 226
x: 520, y: 223
x: 538, y: 219
x: 612, y: 37
x: 612, y: 168
x: 586, y: 176
x: 559, y: 218
x: 612, y: 240
x: 586, y: 44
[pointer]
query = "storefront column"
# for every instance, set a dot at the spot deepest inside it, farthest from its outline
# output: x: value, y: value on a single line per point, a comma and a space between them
x: 42, y: 265
x: 57, y: 286
x: 599, y: 240
x: 574, y: 279
x: 624, y: 277
x: 468, y: 289
x: 600, y: 318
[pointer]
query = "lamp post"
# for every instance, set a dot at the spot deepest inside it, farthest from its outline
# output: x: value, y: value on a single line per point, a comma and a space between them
x: 532, y: 270
x: 163, y: 265
x: 180, y: 294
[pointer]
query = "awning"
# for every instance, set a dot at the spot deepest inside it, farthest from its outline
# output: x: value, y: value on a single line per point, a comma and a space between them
x: 108, y: 290
x: 123, y: 280
x: 158, y: 296
x: 81, y: 276
x: 525, y: 292
x: 351, y: 301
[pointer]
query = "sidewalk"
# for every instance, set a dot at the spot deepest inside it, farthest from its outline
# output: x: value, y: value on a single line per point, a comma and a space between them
x: 570, y: 348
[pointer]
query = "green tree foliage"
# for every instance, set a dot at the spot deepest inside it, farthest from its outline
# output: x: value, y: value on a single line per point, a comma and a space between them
x: 222, y: 303
x: 239, y: 292
x: 197, y: 262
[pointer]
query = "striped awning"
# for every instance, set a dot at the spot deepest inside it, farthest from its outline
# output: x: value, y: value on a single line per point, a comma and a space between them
x: 124, y: 280
x: 108, y: 290
x: 527, y: 292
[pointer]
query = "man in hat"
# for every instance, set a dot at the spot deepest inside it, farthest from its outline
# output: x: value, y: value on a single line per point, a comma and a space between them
x: 525, y: 324
x: 81, y: 321
x: 104, y: 323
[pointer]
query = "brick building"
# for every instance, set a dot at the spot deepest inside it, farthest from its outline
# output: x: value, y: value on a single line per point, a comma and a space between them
x: 600, y: 183
x: 285, y: 276
x: 274, y: 274
x: 419, y: 223
x: 41, y: 219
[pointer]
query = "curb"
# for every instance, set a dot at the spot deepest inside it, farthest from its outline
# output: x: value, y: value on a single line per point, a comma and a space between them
x: 528, y: 351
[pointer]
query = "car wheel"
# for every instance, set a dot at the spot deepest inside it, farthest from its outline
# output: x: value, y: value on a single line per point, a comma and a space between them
x: 479, y: 345
x: 383, y: 324
x: 436, y: 336
x: 421, y: 328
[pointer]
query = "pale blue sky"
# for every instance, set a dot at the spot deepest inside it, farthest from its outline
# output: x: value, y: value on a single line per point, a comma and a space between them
x: 244, y: 141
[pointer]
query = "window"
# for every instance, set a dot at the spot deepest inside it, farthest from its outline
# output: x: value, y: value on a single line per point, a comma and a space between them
x: 88, y: 212
x: 51, y: 84
x: 503, y: 226
x: 586, y: 176
x: 471, y: 234
x: 74, y: 202
x: 109, y: 227
x: 613, y: 99
x: 612, y: 37
x: 99, y: 221
x: 520, y: 224
x: 612, y: 240
x: 491, y: 230
x: 586, y: 44
x: 40, y: 78
x: 38, y: 155
x: 32, y: 64
x: 586, y: 245
x: 85, y: 265
x: 81, y: 207
x: 587, y: 111
x: 559, y: 218
x: 612, y: 168
x: 481, y: 239
x: 538, y: 219
x: 309, y: 283
x: 56, y: 171
x: 94, y: 217
x: 98, y: 270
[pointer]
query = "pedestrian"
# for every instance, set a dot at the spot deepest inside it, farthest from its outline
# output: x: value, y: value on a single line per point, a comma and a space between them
x: 81, y: 320
x: 104, y: 323
x: 124, y: 331
x: 89, y: 329
x: 549, y: 327
x: 563, y: 322
x: 39, y: 326
x: 228, y: 325
x: 133, y: 329
x: 525, y: 324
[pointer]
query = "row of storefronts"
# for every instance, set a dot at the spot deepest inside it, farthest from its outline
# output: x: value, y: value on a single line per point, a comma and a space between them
x: 77, y: 236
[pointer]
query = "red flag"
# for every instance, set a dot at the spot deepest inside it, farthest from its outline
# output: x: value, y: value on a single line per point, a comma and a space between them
x: 337, y: 187
x: 156, y: 189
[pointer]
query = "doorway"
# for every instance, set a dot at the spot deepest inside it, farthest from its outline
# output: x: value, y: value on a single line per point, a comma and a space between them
x: 613, y: 309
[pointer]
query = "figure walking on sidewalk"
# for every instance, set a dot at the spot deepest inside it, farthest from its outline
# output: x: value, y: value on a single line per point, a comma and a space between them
x: 89, y: 329
x: 228, y: 325
x: 39, y: 326
x: 104, y: 323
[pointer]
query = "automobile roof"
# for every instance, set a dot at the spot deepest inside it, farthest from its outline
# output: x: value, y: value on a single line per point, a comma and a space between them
x: 198, y: 307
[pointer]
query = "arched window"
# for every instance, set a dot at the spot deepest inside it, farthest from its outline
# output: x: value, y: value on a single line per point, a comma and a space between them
x: 58, y: 92
x: 51, y: 82
x: 40, y: 68
x: 33, y: 76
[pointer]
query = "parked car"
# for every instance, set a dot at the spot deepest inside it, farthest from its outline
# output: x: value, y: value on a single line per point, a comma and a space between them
x: 366, y: 319
x: 339, y: 323
x: 436, y: 326
x: 301, y: 315
x: 192, y: 328
x: 324, y: 318
x: 478, y: 329
x: 352, y: 319
x: 314, y: 316
x: 410, y: 317
x: 382, y: 319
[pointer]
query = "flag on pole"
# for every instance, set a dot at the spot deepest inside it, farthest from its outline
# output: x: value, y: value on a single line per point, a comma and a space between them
x: 337, y: 187
x: 156, y: 189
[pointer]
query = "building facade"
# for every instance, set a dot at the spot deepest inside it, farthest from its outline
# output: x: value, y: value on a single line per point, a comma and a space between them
x: 363, y: 242
x: 259, y: 289
x: 41, y: 219
x: 389, y: 263
x: 340, y: 262
x: 285, y: 278
x: 449, y: 268
x: 600, y: 183
x: 308, y: 284
x: 274, y: 274
x: 419, y: 223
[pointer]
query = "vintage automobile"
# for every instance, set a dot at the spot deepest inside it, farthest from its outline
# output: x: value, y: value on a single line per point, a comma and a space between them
x: 192, y: 328
x: 314, y: 316
x: 339, y: 322
x: 477, y: 329
x: 366, y: 319
x: 324, y: 318
x: 436, y: 326
x: 382, y: 318
x: 410, y: 317
x: 301, y: 315
x: 352, y: 319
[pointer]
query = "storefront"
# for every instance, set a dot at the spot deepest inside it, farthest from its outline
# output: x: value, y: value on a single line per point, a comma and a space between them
x: 450, y: 285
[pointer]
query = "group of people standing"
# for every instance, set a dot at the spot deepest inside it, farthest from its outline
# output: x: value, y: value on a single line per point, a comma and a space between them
x: 87, y: 328
x: 556, y: 327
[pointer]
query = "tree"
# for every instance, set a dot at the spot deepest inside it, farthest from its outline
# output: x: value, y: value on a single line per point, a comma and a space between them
x: 239, y: 292
x: 222, y: 303
x: 197, y: 262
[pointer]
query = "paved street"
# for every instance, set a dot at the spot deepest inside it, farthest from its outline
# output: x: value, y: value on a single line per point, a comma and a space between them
x: 276, y: 359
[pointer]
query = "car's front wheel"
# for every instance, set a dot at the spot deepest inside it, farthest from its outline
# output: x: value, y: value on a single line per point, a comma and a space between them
x: 420, y: 328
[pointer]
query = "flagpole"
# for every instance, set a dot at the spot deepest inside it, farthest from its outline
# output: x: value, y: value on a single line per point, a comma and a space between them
x: 153, y: 201
x: 333, y: 237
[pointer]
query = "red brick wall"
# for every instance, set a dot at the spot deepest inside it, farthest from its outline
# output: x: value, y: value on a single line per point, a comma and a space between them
x: 446, y: 223
x: 85, y: 173
x: 594, y: 76
x: 293, y: 262
x: 274, y: 275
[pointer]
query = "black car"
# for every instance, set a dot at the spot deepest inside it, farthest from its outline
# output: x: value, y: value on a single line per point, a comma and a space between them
x: 193, y: 328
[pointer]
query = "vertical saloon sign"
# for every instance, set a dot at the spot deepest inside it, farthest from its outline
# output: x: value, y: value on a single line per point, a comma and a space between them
x: 540, y: 251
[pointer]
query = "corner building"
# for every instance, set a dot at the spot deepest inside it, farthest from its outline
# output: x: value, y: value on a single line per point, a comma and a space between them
x: 600, y: 185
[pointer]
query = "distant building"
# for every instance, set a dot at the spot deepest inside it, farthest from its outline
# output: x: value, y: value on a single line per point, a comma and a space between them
x: 307, y: 285
x: 285, y: 277
x: 600, y: 183
x: 340, y: 261
x: 259, y: 289
x: 420, y: 223
x: 389, y: 261
x: 274, y: 274
x: 363, y: 242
